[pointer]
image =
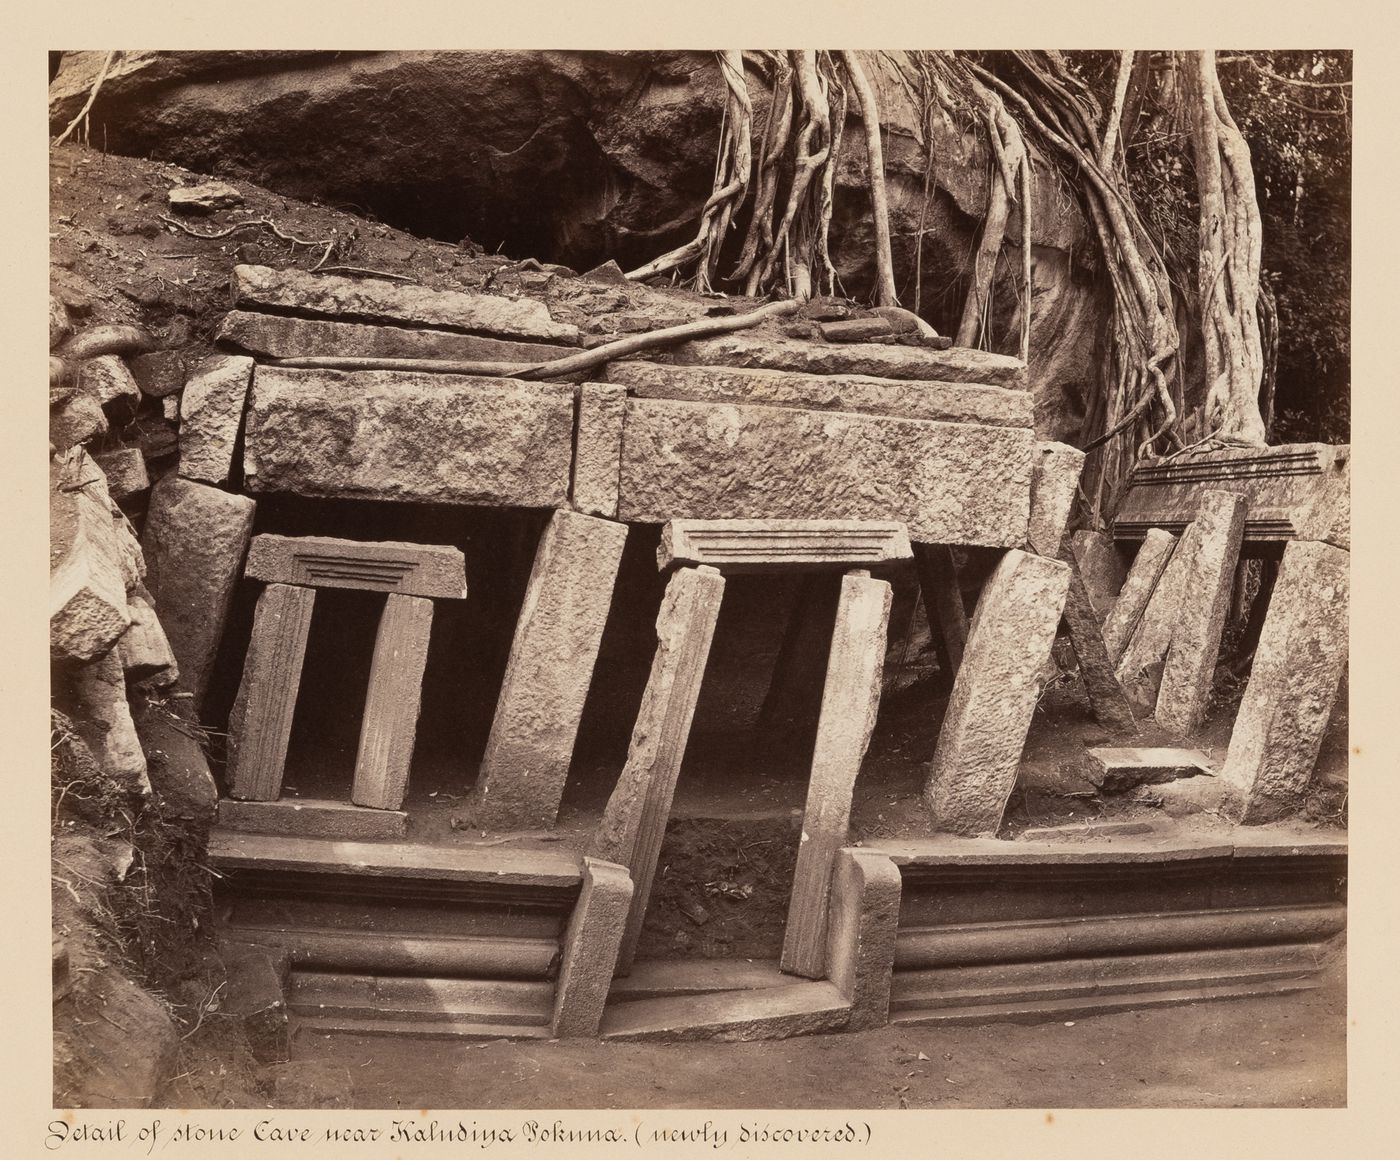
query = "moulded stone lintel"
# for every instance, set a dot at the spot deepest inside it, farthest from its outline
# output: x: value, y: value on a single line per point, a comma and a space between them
x: 774, y: 545
x: 433, y: 570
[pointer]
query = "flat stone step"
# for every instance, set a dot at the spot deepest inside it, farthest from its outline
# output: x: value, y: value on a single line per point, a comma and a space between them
x: 770, y: 1013
x: 312, y: 817
x: 229, y: 850
x: 1115, y: 769
x: 659, y: 978
x: 433, y: 1000
x: 415, y: 1028
x: 393, y: 917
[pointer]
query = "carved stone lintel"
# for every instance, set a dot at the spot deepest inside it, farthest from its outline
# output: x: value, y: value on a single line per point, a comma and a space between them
x: 774, y: 545
x: 432, y: 570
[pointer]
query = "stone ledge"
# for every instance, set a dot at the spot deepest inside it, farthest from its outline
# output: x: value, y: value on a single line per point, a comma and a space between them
x: 780, y: 545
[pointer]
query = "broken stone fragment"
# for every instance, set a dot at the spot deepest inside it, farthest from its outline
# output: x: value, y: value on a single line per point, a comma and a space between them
x: 1115, y: 770
x: 117, y: 1050
x: 88, y: 565
x: 211, y: 416
x: 107, y: 379
x: 1054, y: 482
x: 158, y: 372
x: 125, y: 469
x: 255, y: 997
x: 103, y: 720
x: 145, y: 651
x: 1102, y: 570
x: 76, y: 420
x: 204, y: 198
x: 175, y: 763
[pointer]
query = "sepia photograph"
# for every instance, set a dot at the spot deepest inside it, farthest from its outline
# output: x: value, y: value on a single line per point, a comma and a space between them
x: 786, y: 579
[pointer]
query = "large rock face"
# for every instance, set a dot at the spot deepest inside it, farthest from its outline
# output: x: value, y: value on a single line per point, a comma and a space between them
x: 578, y: 157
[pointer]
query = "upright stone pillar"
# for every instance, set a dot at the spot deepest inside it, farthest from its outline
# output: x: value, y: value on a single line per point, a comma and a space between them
x: 989, y: 713
x: 1195, y: 643
x: 850, y: 701
x: 634, y: 821
x: 527, y: 756
x: 1297, y: 669
x: 391, y: 710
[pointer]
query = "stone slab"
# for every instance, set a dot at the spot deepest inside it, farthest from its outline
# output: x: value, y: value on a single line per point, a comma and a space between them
x: 782, y: 545
x: 1297, y: 670
x: 410, y: 437
x: 433, y: 570
x: 659, y: 978
x: 949, y: 483
x: 949, y: 402
x: 1102, y: 569
x: 211, y: 416
x: 105, y: 723
x: 1189, y: 674
x: 1136, y: 593
x: 107, y: 379
x: 260, y: 725
x: 590, y: 950
x: 865, y: 892
x: 144, y: 648
x: 769, y: 352
x: 1107, y: 701
x: 194, y: 541
x: 1054, y: 484
x: 390, y: 723
x: 312, y: 818
x: 87, y: 586
x: 376, y: 300
x: 634, y: 820
x: 771, y: 1013
x: 850, y: 701
x: 125, y: 469
x: 912, y: 855
x: 1148, y: 645
x: 994, y: 694
x: 1115, y: 769
x: 527, y: 756
x: 1295, y: 491
x: 598, y: 449
x: 283, y: 336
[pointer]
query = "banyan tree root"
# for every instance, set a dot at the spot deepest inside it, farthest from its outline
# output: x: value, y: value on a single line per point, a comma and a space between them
x: 885, y: 294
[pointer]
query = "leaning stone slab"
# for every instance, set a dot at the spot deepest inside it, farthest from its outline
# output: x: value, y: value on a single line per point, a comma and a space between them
x: 1101, y: 568
x: 950, y: 483
x: 989, y: 713
x: 781, y: 545
x: 865, y: 892
x: 551, y: 666
x: 87, y: 586
x: 260, y: 725
x: 194, y: 541
x: 1107, y: 700
x: 211, y: 415
x: 1133, y: 598
x: 390, y: 723
x: 805, y: 1008
x: 125, y: 469
x: 590, y: 950
x: 282, y: 336
x: 1297, y: 669
x: 311, y: 818
x: 945, y: 401
x: 1116, y: 769
x: 850, y: 700
x: 424, y: 438
x: 433, y: 570
x: 1054, y: 482
x: 634, y: 820
x: 107, y: 379
x: 1189, y: 674
x: 957, y: 364
x: 379, y: 301
x: 598, y: 449
x: 1153, y: 636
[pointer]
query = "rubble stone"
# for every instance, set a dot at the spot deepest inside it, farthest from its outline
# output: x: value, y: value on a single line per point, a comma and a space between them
x: 78, y: 419
x: 211, y: 414
x: 107, y: 379
x: 125, y: 469
x: 104, y: 721
x: 87, y: 582
x: 158, y: 372
x: 145, y: 650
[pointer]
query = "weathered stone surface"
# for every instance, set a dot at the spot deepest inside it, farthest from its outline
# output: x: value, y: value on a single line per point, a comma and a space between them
x: 436, y: 570
x: 950, y: 483
x: 1298, y: 666
x: 380, y: 301
x: 206, y: 197
x: 943, y: 604
x: 1195, y: 643
x: 634, y: 820
x: 1054, y: 481
x: 282, y: 336
x: 104, y: 721
x: 260, y: 725
x: 850, y: 700
x: 958, y: 364
x: 527, y: 755
x: 1114, y: 770
x: 1101, y: 568
x: 194, y: 540
x: 770, y: 1013
x: 108, y: 381
x: 254, y: 996
x: 946, y: 401
x: 598, y: 449
x: 390, y: 722
x: 312, y: 818
x: 211, y: 414
x: 87, y: 584
x: 395, y: 435
x: 782, y: 545
x: 144, y: 648
x: 865, y: 893
x: 1295, y: 491
x: 117, y: 1050
x: 984, y: 728
x: 76, y: 420
x: 125, y: 469
x: 1147, y: 647
x: 158, y: 372
x: 176, y: 764
x: 1136, y: 593
x: 590, y: 947
x: 1107, y: 700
